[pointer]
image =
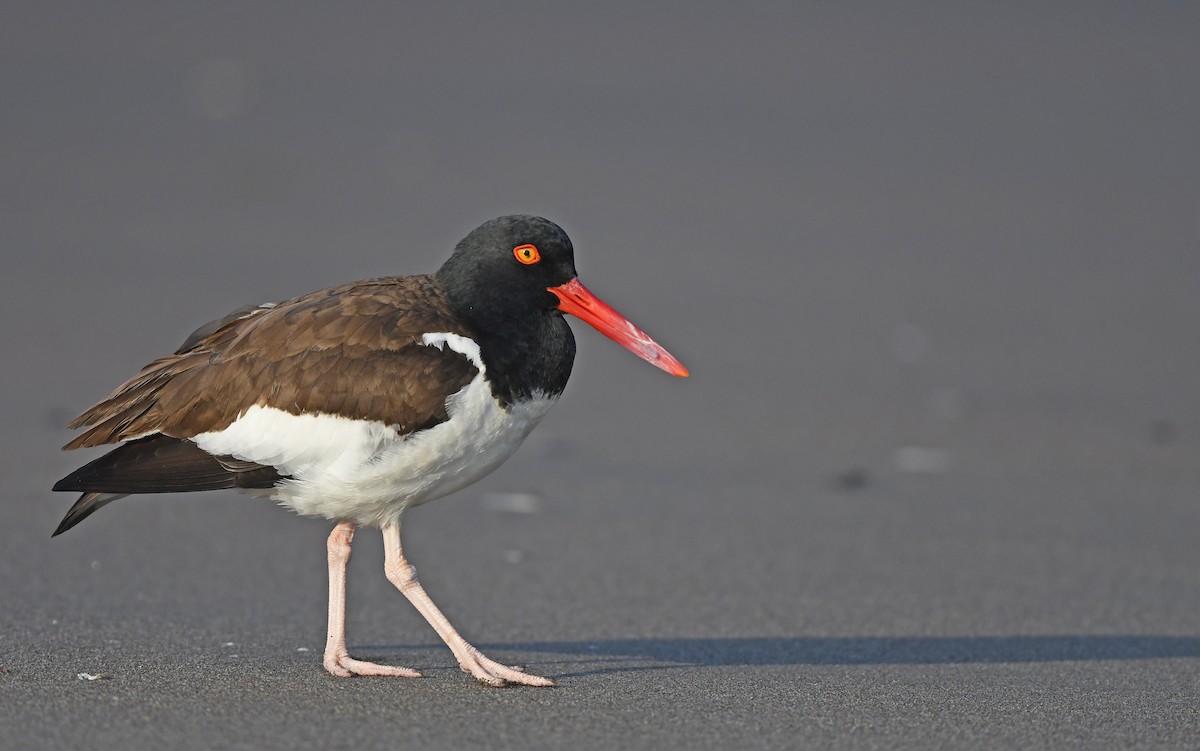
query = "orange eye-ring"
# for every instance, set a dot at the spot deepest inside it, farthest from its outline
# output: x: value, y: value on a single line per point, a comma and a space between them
x: 527, y: 254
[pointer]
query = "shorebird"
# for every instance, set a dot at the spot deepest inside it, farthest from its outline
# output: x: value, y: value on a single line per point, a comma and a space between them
x: 358, y: 401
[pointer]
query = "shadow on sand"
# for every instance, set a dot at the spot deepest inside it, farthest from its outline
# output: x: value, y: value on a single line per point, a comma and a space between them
x: 884, y: 650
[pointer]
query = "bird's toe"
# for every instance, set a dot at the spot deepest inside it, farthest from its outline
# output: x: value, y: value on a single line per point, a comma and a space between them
x: 492, y: 673
x: 344, y: 666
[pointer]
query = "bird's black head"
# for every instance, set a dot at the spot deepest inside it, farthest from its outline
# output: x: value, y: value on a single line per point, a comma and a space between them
x: 503, y: 270
x: 512, y: 279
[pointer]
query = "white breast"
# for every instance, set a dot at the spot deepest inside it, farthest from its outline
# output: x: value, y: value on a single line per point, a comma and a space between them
x: 365, y: 471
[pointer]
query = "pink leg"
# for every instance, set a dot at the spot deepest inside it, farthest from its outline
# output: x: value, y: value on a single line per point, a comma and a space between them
x: 337, y: 659
x: 401, y: 573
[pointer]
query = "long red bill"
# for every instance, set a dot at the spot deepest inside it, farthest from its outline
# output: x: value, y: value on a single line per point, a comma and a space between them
x: 574, y: 298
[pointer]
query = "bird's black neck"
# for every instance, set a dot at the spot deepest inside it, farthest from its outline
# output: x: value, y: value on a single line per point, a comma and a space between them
x: 529, y: 359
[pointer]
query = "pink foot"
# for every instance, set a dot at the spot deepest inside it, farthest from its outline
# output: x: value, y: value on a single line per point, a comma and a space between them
x: 344, y: 666
x: 493, y: 673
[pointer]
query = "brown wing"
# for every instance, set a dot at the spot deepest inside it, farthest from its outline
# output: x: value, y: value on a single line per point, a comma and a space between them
x: 353, y: 350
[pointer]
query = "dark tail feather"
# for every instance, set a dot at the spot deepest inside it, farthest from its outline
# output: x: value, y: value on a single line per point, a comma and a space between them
x: 156, y: 464
x: 88, y: 504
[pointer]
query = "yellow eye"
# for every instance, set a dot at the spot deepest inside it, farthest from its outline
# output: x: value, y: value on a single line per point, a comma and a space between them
x: 527, y: 254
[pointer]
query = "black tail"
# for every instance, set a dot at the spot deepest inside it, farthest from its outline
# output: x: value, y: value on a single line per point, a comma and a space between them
x: 88, y: 504
x: 156, y: 464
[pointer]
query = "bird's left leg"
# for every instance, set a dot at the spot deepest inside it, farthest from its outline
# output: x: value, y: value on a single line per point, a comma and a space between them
x: 402, y: 574
x: 337, y: 660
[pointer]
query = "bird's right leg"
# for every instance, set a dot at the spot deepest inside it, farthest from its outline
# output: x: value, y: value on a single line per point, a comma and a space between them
x: 402, y: 574
x: 337, y: 659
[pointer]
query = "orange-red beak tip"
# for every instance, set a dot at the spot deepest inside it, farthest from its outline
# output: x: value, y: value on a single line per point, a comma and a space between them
x: 673, y: 366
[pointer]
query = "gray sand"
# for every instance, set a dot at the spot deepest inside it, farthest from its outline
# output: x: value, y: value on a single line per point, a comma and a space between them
x: 933, y: 483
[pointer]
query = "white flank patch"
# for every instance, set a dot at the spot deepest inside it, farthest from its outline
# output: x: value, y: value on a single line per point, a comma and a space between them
x: 365, y: 471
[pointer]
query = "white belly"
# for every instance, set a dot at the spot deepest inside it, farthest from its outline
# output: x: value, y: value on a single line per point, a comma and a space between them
x: 366, y: 471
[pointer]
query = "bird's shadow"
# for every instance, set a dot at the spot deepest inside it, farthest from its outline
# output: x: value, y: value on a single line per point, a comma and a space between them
x: 620, y: 655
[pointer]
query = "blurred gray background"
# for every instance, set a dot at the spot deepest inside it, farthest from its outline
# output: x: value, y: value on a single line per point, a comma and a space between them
x: 934, y: 267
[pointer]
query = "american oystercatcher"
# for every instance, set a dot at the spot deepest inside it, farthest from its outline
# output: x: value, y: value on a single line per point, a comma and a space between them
x: 355, y: 402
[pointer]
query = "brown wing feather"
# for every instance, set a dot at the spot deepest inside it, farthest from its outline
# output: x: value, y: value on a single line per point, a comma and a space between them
x: 353, y: 350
